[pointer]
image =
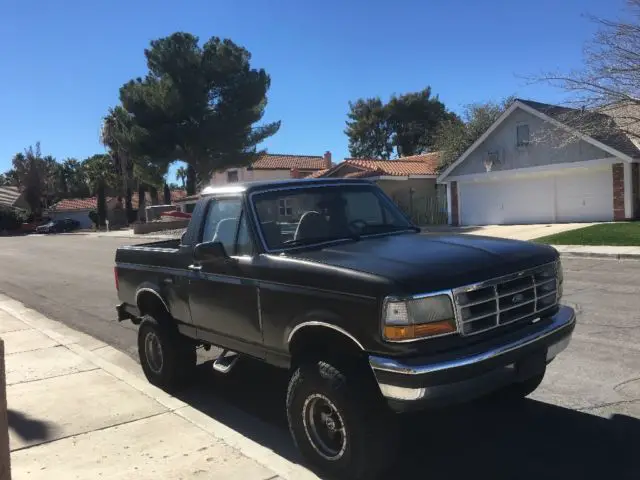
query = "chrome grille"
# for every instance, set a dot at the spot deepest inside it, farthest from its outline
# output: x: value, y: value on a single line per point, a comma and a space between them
x: 501, y: 301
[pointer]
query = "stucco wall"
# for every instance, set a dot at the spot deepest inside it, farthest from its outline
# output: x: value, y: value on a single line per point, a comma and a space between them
x: 81, y: 216
x: 399, y: 190
x: 541, y: 151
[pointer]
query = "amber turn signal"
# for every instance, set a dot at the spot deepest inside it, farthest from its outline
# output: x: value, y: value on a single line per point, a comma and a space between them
x: 421, y: 330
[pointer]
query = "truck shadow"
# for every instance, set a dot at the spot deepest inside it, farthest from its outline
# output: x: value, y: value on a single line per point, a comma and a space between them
x: 481, y: 440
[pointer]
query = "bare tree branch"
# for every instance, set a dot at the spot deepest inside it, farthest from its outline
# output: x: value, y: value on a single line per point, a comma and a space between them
x: 604, y: 95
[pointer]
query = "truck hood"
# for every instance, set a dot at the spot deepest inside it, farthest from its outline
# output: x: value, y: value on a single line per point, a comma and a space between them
x: 429, y: 262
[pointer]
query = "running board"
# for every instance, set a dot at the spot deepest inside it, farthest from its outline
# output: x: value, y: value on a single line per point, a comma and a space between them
x: 224, y: 364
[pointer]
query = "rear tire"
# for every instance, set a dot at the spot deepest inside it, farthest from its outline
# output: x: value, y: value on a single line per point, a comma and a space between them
x: 168, y: 359
x: 339, y: 421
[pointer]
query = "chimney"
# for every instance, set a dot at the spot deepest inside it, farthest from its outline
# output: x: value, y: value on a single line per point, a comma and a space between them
x: 327, y: 159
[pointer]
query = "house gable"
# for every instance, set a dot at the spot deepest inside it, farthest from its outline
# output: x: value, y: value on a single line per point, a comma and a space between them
x: 500, y: 141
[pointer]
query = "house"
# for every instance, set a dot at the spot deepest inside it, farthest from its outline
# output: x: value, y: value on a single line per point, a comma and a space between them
x: 409, y: 181
x: 270, y: 166
x: 521, y: 171
x: 274, y: 167
x: 79, y: 208
x: 12, y: 197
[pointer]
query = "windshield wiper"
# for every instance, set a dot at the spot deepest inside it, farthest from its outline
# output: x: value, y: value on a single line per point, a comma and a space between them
x: 310, y: 241
x: 387, y: 228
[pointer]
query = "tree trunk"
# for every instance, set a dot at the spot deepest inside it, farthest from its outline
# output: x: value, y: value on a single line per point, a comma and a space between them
x: 141, y: 204
x: 191, y: 180
x: 128, y: 205
x: 102, y: 204
x: 167, y: 195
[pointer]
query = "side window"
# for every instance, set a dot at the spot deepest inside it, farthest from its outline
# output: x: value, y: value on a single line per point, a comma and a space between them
x: 364, y: 206
x: 221, y: 225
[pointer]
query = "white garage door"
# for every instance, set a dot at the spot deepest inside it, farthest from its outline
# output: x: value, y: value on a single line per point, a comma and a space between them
x: 573, y: 196
x: 507, y: 201
x: 585, y: 198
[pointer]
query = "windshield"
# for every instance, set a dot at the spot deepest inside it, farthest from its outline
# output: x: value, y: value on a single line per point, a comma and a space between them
x: 304, y: 216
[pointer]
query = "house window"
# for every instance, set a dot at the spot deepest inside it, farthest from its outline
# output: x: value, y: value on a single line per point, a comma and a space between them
x: 232, y: 176
x: 284, y: 207
x: 522, y: 134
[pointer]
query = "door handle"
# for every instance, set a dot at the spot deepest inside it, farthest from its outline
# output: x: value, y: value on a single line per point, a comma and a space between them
x: 168, y: 281
x: 197, y: 268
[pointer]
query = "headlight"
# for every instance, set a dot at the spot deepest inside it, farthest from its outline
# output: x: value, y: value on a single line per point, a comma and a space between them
x: 418, y: 318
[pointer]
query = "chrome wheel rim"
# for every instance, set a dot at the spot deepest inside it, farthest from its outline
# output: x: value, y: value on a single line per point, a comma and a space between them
x: 324, y: 427
x: 153, y: 352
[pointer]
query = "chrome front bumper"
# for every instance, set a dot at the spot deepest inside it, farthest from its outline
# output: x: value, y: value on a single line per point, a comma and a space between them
x: 471, y: 375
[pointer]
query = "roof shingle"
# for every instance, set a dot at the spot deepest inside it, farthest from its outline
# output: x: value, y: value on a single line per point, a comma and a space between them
x: 423, y: 164
x: 602, y: 127
x: 273, y: 161
x: 9, y: 195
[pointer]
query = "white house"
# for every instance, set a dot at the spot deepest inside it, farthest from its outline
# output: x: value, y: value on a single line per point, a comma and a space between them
x: 270, y: 166
x: 520, y: 172
x: 274, y: 167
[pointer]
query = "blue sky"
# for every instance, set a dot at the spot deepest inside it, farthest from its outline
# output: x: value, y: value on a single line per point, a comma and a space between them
x: 62, y: 63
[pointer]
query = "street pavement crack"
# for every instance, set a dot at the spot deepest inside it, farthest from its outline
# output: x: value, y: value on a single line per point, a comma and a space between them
x: 610, y: 404
x: 621, y: 384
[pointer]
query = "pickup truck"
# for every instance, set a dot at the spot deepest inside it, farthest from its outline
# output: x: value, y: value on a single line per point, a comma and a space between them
x: 329, y: 279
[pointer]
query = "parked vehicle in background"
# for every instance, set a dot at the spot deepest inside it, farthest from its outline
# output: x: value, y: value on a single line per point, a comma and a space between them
x: 58, y: 226
x: 329, y: 279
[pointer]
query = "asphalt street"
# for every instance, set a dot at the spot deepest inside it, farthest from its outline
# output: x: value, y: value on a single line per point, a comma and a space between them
x: 583, y: 422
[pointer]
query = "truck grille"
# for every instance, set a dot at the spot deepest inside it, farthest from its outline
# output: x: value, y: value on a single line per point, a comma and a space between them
x: 501, y: 301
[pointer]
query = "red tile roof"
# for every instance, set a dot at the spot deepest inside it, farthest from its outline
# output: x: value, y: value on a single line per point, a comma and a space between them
x: 273, y: 161
x: 77, y: 204
x: 318, y: 173
x: 424, y: 164
x: 91, y: 203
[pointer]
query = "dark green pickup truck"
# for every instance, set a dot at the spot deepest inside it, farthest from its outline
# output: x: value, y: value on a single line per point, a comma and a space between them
x: 329, y: 279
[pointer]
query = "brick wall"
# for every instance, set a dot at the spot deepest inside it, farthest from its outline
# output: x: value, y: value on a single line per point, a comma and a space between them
x: 455, y: 214
x: 617, y: 170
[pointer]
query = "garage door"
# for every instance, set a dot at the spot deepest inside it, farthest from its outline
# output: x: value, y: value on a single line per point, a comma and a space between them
x: 507, y: 201
x: 585, y: 198
x: 576, y: 195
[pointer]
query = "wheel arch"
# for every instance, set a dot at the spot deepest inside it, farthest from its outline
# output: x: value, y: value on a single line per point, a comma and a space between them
x: 314, y: 339
x: 150, y: 301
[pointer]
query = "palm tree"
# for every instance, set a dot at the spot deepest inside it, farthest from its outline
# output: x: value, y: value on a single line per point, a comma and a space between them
x: 181, y: 176
x: 116, y: 136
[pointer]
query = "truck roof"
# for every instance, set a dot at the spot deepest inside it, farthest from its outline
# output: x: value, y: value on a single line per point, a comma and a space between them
x: 268, y: 184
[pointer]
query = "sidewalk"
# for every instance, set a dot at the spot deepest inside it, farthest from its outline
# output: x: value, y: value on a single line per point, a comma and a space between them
x: 618, y: 253
x: 80, y: 409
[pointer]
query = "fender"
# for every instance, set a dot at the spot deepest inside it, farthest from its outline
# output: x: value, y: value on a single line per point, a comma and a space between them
x: 323, y: 319
x: 151, y: 288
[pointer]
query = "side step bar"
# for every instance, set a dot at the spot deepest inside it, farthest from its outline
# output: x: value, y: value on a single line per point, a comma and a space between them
x: 224, y: 363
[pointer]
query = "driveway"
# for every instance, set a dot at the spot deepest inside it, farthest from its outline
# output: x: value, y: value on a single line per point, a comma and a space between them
x: 514, y: 232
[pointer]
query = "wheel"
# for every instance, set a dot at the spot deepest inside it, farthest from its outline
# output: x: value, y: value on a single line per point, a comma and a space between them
x: 519, y: 390
x: 339, y: 421
x: 168, y: 359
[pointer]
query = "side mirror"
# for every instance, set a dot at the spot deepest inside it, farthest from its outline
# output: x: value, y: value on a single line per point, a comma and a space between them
x: 208, y: 251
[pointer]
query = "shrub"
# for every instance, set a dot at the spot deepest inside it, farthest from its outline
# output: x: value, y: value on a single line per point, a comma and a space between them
x: 11, y: 219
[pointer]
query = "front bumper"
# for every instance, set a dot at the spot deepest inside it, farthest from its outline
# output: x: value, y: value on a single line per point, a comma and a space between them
x: 456, y: 377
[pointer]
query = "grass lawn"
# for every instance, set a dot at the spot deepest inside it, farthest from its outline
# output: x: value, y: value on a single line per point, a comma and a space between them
x: 621, y: 234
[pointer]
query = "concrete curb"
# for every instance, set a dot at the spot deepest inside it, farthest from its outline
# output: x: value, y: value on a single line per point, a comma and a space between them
x: 612, y: 256
x: 285, y: 469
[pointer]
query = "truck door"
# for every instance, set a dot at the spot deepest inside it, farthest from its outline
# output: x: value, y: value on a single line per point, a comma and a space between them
x: 223, y: 294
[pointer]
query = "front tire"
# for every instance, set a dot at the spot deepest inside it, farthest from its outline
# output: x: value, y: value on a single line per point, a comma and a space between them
x: 339, y: 421
x: 167, y: 358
